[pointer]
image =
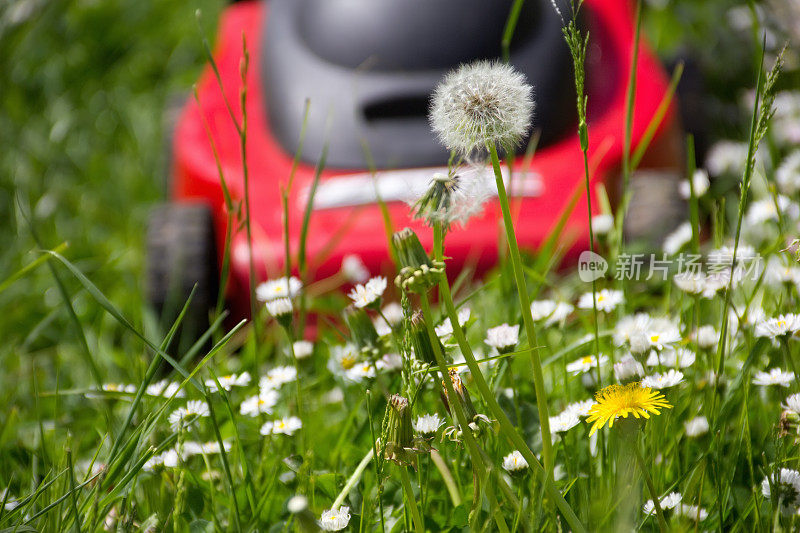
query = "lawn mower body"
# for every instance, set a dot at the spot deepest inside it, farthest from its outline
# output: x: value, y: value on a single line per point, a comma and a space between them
x: 346, y: 218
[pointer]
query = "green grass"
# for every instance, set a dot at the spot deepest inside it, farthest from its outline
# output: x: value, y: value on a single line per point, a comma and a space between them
x: 82, y: 125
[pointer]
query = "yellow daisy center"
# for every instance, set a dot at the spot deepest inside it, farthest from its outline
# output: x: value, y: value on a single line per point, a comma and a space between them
x: 587, y: 360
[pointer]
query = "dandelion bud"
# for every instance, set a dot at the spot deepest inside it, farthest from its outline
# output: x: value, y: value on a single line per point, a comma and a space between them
x: 362, y: 330
x: 421, y: 341
x: 480, y: 104
x: 417, y: 272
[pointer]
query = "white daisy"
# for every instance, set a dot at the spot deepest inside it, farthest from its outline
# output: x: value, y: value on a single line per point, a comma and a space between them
x: 607, y: 300
x: 663, y: 332
x: 394, y: 314
x: 707, y: 336
x: 445, y: 329
x: 767, y: 209
x: 692, y: 512
x: 280, y: 307
x: 667, y: 502
x: 503, y: 337
x: 552, y: 311
x: 586, y: 363
x: 774, y: 376
x: 278, y: 288
x: 628, y: 368
x: 700, y: 184
x: 726, y: 157
x: 302, y: 349
x: 354, y: 269
x: 631, y: 326
x: 793, y: 403
x: 779, y: 326
x: 263, y: 402
x: 191, y: 448
x: 672, y: 357
x: 602, y: 224
x: 119, y: 387
x: 229, y: 381
x: 787, y: 485
x: 276, y: 377
x: 360, y: 372
x: 428, y: 424
x: 286, y: 426
x: 183, y: 416
x: 564, y: 421
x: 788, y: 174
x: 366, y: 295
x: 515, y: 463
x: 335, y: 519
x: 166, y: 389
x: 580, y: 408
x: 658, y: 380
x: 696, y: 427
x: 677, y: 239
x: 343, y: 358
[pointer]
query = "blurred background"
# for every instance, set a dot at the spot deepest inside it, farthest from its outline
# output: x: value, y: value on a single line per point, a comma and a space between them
x: 87, y: 94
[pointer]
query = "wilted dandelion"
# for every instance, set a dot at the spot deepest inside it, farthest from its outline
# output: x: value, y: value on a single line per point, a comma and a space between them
x: 622, y: 400
x: 454, y: 198
x: 481, y: 103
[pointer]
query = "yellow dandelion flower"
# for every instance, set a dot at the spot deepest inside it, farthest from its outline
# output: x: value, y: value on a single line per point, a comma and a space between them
x: 621, y: 400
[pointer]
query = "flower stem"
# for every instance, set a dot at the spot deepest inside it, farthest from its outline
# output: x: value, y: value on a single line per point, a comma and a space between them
x: 447, y: 477
x: 354, y: 477
x: 662, y: 522
x: 460, y: 418
x: 506, y: 427
x: 525, y: 304
x: 411, y: 501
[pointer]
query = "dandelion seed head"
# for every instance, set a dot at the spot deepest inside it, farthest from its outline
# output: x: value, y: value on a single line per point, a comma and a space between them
x: 479, y: 103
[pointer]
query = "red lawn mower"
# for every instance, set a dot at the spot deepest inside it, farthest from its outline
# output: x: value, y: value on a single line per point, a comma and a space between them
x: 367, y: 69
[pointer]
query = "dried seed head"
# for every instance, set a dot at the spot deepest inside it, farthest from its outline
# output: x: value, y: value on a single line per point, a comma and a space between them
x: 485, y: 102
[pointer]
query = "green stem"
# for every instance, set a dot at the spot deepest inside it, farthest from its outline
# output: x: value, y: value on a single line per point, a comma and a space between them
x: 354, y: 477
x: 411, y: 501
x: 447, y: 477
x: 506, y: 427
x: 662, y: 522
x: 525, y: 304
x: 472, y: 446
